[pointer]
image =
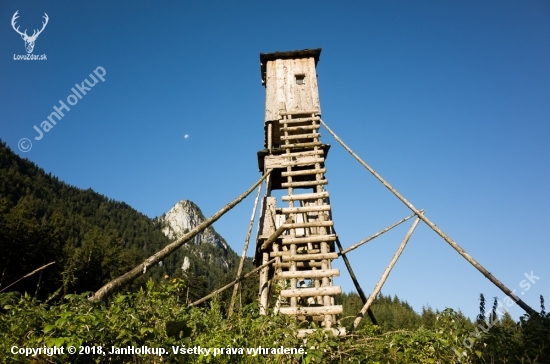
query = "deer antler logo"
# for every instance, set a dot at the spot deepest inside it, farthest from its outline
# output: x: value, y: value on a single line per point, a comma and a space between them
x: 29, y: 41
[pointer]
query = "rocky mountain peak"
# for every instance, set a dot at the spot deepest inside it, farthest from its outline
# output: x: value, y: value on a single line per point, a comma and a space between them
x: 185, y: 216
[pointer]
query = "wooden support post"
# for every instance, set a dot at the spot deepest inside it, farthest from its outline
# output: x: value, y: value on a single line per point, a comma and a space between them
x: 265, y: 208
x: 278, y: 265
x: 264, y: 284
x: 354, y: 279
x: 255, y: 270
x: 440, y: 232
x: 140, y: 269
x: 243, y: 255
x: 380, y: 283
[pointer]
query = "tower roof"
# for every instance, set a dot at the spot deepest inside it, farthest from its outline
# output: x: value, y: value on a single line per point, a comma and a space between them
x: 304, y: 53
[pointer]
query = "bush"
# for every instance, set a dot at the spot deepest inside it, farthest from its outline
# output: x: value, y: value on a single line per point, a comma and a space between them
x: 156, y: 317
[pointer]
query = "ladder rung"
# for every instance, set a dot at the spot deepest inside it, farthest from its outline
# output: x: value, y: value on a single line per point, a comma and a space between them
x: 299, y: 265
x: 304, y: 154
x: 308, y: 311
x: 298, y: 257
x: 305, y: 172
x: 319, y: 273
x: 312, y: 291
x: 301, y: 127
x: 309, y: 239
x: 306, y: 196
x: 287, y: 253
x: 296, y: 210
x: 304, y: 183
x: 301, y: 145
x: 301, y: 136
x: 300, y: 225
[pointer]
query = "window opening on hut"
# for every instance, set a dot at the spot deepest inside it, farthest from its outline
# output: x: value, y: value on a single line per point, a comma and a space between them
x: 300, y: 79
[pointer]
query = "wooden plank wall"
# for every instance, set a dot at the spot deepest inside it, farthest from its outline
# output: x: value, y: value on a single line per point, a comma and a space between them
x: 282, y: 91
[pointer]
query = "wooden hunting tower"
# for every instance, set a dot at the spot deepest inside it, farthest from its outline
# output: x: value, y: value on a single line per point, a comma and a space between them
x: 296, y: 242
x: 299, y: 235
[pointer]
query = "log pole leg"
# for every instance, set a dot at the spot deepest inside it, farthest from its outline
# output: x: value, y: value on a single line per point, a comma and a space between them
x: 382, y: 280
x: 243, y: 255
x: 343, y: 252
x: 264, y: 284
x: 355, y: 281
x: 275, y: 248
x: 255, y: 270
x: 440, y: 232
x: 140, y: 269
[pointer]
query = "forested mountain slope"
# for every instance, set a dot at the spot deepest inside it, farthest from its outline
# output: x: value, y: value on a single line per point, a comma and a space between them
x: 91, y: 238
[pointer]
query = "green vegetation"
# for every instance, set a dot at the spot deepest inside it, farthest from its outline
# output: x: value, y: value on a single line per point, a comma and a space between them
x: 141, y: 318
x: 93, y: 239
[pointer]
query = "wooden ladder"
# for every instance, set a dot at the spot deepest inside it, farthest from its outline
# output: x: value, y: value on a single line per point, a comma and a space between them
x: 307, y: 249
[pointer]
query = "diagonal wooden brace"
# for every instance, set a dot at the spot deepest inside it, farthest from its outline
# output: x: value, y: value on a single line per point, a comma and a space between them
x: 129, y: 276
x: 382, y: 280
x: 243, y: 255
x: 440, y: 232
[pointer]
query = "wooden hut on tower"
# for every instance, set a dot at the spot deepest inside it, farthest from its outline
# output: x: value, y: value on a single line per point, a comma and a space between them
x: 299, y: 232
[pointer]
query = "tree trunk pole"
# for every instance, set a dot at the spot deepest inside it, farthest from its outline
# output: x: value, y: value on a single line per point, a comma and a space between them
x: 440, y: 232
x: 232, y: 283
x: 382, y: 280
x: 243, y: 255
x: 140, y: 269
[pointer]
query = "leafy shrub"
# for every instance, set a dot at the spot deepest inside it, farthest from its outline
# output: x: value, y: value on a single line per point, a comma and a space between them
x: 142, y: 318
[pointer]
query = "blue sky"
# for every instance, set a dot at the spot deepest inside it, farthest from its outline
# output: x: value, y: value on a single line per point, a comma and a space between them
x: 447, y: 100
